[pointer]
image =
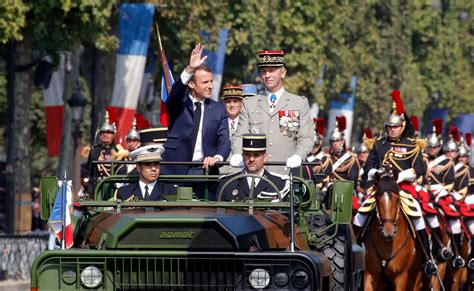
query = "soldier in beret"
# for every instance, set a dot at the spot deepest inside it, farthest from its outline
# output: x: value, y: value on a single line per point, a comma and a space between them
x: 282, y: 116
x: 254, y: 156
x: 148, y: 167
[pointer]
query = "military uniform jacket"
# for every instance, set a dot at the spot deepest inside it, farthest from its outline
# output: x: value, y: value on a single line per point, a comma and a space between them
x: 346, y: 170
x: 99, y: 152
x: 239, y: 189
x: 319, y: 173
x: 284, y: 139
x: 133, y: 191
x: 440, y: 170
x: 461, y: 178
x: 396, y: 156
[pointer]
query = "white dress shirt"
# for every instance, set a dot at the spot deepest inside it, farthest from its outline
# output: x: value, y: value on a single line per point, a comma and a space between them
x: 150, y: 188
x: 249, y: 179
x: 198, y: 152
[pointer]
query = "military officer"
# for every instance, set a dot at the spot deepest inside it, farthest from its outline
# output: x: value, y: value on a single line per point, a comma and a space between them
x: 399, y: 153
x: 148, y: 167
x: 467, y: 209
x: 254, y: 156
x: 344, y: 164
x: 133, y: 142
x: 106, y: 150
x: 232, y: 97
x: 362, y: 152
x: 282, y: 116
x: 439, y: 184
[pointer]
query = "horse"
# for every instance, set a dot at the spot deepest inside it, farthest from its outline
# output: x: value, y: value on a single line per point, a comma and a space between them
x: 391, y: 254
x: 458, y: 278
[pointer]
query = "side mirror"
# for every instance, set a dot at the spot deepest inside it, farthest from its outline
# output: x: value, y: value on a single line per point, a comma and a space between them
x: 341, y: 202
x: 49, y: 189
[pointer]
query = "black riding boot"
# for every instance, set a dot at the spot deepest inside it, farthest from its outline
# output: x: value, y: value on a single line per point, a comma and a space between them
x: 458, y: 261
x: 441, y: 252
x: 429, y: 267
x: 470, y: 258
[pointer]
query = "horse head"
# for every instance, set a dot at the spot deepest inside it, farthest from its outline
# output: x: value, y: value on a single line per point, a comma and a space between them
x: 387, y: 204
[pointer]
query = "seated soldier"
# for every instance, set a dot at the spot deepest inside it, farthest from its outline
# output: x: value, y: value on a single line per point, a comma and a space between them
x: 254, y: 157
x: 148, y: 167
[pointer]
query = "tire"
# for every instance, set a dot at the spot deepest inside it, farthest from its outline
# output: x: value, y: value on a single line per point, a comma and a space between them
x: 337, y: 250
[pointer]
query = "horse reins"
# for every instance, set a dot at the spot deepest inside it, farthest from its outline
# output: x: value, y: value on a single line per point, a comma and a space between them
x: 385, y: 261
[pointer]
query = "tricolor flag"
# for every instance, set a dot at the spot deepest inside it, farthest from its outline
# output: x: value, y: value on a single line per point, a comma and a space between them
x: 60, y: 213
x: 54, y: 109
x: 167, y: 81
x: 134, y: 35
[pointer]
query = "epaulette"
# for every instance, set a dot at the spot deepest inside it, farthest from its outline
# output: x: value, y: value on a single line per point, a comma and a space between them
x: 229, y: 175
x: 283, y: 177
x: 411, y: 139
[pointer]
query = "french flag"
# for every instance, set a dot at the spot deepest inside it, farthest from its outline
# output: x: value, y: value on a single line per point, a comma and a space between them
x: 167, y: 81
x: 63, y: 199
x: 134, y: 35
x: 54, y: 109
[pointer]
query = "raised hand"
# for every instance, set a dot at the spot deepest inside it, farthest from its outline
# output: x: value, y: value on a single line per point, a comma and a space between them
x: 196, y: 59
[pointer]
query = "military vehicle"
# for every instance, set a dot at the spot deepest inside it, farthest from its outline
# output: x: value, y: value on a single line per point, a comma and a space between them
x: 187, y: 244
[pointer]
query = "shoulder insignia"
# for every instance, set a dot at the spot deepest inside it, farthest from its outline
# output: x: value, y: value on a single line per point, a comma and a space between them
x: 283, y: 177
x: 229, y: 175
x: 368, y: 205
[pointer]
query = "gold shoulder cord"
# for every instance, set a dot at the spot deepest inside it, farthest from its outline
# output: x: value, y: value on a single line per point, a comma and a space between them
x: 389, y: 156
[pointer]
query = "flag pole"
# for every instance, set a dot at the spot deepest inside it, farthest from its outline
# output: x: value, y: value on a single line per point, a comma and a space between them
x: 163, y: 60
x: 63, y: 213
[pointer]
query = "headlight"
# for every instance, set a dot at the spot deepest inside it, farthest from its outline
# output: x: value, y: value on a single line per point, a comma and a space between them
x: 300, y: 279
x: 91, y: 277
x: 281, y: 279
x: 259, y: 278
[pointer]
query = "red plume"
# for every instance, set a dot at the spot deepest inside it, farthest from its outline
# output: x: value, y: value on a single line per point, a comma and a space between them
x: 341, y: 122
x: 398, y: 101
x: 320, y: 125
x: 454, y: 133
x: 438, y: 124
x: 468, y: 139
x: 368, y: 133
x: 414, y: 122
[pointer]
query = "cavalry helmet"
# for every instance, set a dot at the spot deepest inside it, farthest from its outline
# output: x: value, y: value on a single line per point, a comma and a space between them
x: 107, y: 126
x: 434, y: 140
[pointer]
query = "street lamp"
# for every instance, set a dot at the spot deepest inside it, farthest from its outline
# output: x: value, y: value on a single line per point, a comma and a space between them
x: 77, y: 102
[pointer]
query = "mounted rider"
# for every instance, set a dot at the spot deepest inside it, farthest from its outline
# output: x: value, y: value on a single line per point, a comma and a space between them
x: 344, y: 164
x: 363, y: 151
x: 437, y: 192
x: 399, y: 153
x: 467, y: 210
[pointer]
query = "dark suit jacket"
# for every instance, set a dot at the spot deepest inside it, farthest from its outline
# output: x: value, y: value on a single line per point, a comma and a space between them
x: 239, y: 189
x: 178, y: 146
x: 125, y: 192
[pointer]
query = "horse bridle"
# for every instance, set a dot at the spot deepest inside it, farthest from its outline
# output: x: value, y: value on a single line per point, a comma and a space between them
x: 383, y: 220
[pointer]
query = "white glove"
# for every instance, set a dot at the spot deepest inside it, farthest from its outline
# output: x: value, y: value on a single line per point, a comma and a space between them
x: 371, y: 174
x: 294, y: 161
x: 236, y: 161
x: 408, y: 175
